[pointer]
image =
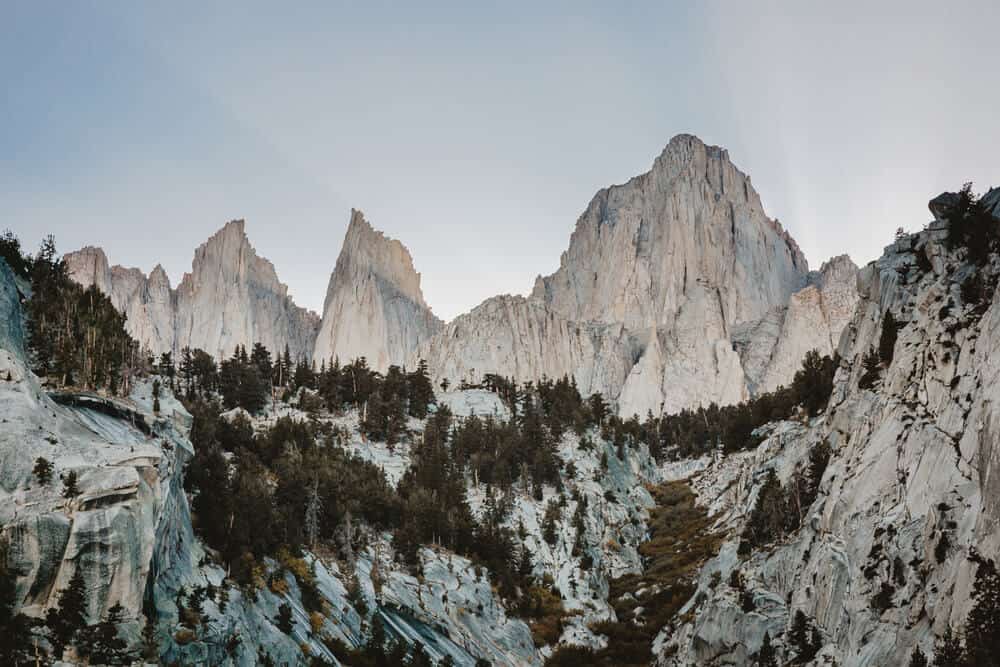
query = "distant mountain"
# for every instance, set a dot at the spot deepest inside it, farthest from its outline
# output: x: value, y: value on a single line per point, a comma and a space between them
x: 374, y: 307
x: 231, y: 297
x: 676, y: 291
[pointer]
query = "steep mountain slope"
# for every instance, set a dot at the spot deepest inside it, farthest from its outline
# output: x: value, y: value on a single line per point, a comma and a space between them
x: 664, y: 276
x: 676, y: 291
x: 374, y: 307
x: 517, y: 337
x: 884, y: 560
x: 640, y: 249
x: 231, y: 297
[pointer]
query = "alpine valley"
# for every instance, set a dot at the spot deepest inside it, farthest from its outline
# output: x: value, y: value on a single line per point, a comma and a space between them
x: 684, y: 447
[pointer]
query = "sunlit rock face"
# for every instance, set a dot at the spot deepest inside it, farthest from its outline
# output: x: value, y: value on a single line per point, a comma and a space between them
x: 676, y: 291
x: 909, y: 495
x: 231, y: 297
x: 374, y: 307
x: 641, y: 250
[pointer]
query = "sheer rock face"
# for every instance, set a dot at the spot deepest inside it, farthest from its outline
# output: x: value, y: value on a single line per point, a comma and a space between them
x: 666, y: 275
x: 129, y: 463
x: 517, y: 337
x: 231, y: 297
x: 692, y: 224
x: 374, y: 307
x: 910, y: 492
x: 772, y: 348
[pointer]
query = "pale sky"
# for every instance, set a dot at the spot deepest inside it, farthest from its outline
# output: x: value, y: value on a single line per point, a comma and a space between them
x: 476, y: 136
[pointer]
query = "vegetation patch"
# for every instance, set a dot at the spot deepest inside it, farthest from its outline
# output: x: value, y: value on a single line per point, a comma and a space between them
x: 680, y: 542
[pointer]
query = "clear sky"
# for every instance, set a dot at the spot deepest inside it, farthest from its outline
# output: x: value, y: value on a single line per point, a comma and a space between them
x: 476, y: 135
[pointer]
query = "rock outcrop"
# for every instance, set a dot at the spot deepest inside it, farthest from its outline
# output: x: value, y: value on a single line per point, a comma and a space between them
x: 772, y: 348
x: 231, y: 297
x: 374, y: 307
x: 676, y: 291
x: 884, y: 559
x: 129, y: 466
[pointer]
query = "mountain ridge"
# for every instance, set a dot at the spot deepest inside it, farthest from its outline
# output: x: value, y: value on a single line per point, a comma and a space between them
x: 682, y: 257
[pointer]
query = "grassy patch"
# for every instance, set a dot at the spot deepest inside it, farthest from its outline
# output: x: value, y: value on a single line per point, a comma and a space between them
x: 680, y: 542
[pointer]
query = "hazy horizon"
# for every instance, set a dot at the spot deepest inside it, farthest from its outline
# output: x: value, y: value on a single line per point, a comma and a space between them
x: 476, y: 136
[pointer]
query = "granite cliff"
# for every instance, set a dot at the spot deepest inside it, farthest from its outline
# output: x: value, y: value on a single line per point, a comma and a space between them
x: 885, y: 558
x: 231, y: 297
x: 374, y: 307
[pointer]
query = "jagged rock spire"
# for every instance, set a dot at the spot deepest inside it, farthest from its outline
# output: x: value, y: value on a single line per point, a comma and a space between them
x: 374, y: 306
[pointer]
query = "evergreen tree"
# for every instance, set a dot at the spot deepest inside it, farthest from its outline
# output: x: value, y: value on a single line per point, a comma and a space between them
x: 260, y: 357
x: 15, y: 628
x: 70, y: 616
x: 187, y: 371
x: 766, y: 656
x: 284, y: 618
x: 313, y: 514
x: 418, y: 657
x: 887, y: 338
x: 813, y: 383
x: 70, y: 485
x: 948, y: 651
x: 970, y: 225
x: 918, y: 659
x: 150, y: 643
x: 10, y: 251
x: 43, y: 470
x: 804, y: 637
x: 102, y: 644
x: 982, y: 627
x: 420, y: 391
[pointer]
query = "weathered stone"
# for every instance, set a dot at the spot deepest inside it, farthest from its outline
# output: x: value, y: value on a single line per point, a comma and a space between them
x: 374, y: 306
x: 231, y: 297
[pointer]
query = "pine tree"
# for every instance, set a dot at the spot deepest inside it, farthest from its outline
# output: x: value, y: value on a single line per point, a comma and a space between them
x: 43, y: 470
x: 313, y: 508
x: 261, y: 358
x: 766, y: 656
x: 982, y: 627
x: 917, y: 658
x: 103, y: 644
x: 948, y: 651
x: 887, y: 339
x: 804, y: 637
x: 150, y: 643
x: 15, y: 628
x: 419, y: 390
x: 70, y: 616
x: 284, y: 618
x: 70, y: 485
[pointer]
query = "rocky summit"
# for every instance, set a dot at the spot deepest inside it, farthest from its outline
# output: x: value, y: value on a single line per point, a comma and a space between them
x: 374, y: 307
x: 231, y: 297
x: 675, y: 292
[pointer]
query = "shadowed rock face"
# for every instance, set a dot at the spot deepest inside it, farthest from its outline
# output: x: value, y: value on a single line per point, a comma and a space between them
x: 231, y: 297
x: 374, y: 307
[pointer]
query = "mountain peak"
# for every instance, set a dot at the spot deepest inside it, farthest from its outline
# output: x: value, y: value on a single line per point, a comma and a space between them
x: 374, y: 306
x: 369, y: 249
